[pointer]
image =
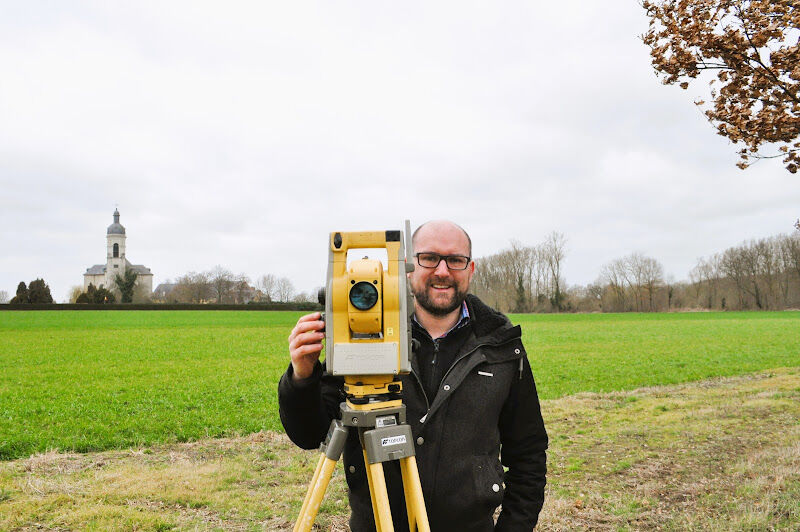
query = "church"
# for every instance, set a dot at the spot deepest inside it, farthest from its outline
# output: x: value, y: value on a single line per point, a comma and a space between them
x: 103, y: 275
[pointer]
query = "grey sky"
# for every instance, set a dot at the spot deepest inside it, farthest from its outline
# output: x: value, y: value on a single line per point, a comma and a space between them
x: 242, y: 135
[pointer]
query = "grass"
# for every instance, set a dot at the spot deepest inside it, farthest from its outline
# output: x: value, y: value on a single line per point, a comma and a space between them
x: 85, y: 381
x: 572, y: 353
x: 93, y: 380
x: 725, y: 455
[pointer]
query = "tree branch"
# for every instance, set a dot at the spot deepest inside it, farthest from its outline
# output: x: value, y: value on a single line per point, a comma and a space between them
x: 757, y: 59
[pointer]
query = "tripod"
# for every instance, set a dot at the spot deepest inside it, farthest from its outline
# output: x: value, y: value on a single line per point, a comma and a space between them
x: 384, y: 435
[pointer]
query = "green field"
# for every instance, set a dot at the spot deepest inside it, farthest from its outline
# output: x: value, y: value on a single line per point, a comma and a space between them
x: 93, y: 380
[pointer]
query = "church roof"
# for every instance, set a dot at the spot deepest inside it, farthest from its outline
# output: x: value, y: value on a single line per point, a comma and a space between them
x: 164, y: 288
x: 97, y: 269
x: 116, y: 228
x: 100, y: 269
x: 139, y: 269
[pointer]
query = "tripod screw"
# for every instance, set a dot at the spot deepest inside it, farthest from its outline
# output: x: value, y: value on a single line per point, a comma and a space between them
x: 355, y: 421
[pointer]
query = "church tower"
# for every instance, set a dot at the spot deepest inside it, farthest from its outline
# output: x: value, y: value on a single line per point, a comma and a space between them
x: 115, y: 250
x: 117, y: 263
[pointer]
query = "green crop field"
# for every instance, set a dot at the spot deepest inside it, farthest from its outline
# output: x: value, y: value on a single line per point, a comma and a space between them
x: 94, y: 380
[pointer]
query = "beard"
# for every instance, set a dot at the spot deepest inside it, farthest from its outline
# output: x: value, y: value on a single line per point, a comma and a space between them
x: 438, y: 308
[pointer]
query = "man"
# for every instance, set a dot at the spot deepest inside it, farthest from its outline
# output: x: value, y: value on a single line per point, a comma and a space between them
x: 471, y: 402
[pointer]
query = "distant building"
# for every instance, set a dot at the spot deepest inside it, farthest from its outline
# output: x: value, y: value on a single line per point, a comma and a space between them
x: 244, y: 294
x: 103, y: 275
x: 163, y: 290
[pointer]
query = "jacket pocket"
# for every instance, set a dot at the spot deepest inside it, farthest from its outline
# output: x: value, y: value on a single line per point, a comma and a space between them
x: 487, y: 474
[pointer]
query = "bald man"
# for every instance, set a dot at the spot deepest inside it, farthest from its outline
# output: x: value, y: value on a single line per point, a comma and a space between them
x: 471, y: 402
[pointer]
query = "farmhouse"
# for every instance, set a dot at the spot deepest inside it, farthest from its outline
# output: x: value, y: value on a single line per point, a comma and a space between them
x: 103, y: 275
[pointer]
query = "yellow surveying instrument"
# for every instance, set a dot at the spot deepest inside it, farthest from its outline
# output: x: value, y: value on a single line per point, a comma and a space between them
x: 368, y: 342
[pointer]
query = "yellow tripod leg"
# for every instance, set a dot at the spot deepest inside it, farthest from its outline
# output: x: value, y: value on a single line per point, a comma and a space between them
x: 309, y: 492
x: 408, y: 491
x: 372, y: 493
x: 380, y: 497
x: 315, y: 494
x: 415, y: 502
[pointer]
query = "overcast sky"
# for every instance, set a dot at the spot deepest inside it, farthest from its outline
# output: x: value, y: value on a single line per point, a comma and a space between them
x: 240, y: 134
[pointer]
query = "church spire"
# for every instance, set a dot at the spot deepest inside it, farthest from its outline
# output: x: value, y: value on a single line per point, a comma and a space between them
x: 116, y: 228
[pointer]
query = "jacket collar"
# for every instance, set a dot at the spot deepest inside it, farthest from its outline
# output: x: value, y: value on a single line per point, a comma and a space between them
x: 489, y: 325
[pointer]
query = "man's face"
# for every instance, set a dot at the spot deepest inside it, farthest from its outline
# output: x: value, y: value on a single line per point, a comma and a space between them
x: 440, y: 290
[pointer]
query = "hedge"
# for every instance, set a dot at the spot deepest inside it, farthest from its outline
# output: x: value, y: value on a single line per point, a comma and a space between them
x: 164, y: 306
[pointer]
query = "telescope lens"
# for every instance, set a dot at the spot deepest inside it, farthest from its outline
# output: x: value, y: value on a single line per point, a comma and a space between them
x: 363, y: 295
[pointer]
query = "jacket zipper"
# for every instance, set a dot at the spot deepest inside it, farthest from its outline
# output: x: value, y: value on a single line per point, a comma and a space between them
x: 434, y: 362
x: 459, y: 359
x: 419, y: 381
x: 422, y: 388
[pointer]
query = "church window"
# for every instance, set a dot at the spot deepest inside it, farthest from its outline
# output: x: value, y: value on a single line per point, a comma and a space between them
x: 116, y: 251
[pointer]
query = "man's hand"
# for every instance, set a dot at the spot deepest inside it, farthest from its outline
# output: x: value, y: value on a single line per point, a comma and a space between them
x: 305, y: 344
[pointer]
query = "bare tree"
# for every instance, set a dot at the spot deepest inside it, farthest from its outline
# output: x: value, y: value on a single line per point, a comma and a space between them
x: 651, y: 275
x: 284, y: 289
x: 305, y: 297
x: 705, y: 278
x: 555, y: 250
x: 762, y: 274
x: 769, y: 258
x: 613, y: 275
x: 74, y: 292
x: 791, y: 251
x: 267, y: 285
x: 745, y: 266
x: 192, y: 288
x: 3, y: 296
x: 633, y: 282
x: 222, y: 283
x: 594, y: 292
x: 752, y: 256
x: 540, y: 277
x: 520, y: 267
x: 492, y: 279
x: 732, y: 265
x: 786, y: 270
x: 488, y: 283
x: 516, y: 279
x: 633, y: 274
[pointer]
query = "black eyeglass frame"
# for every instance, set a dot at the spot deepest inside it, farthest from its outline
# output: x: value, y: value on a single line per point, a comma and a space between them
x: 443, y: 258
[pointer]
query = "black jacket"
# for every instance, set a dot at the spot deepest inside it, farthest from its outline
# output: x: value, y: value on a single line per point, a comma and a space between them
x: 486, y: 407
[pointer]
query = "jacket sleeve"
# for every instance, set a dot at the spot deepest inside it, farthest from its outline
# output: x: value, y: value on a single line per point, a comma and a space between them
x: 523, y: 450
x: 308, y: 406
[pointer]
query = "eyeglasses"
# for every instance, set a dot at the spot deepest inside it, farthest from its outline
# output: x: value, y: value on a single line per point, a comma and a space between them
x: 432, y: 260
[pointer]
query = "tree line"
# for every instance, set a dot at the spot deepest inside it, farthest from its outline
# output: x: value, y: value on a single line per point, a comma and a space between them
x: 220, y: 285
x: 759, y: 274
x: 524, y: 278
x: 762, y: 274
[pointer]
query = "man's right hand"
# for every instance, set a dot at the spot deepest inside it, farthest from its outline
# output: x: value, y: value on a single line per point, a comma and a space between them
x: 305, y: 344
